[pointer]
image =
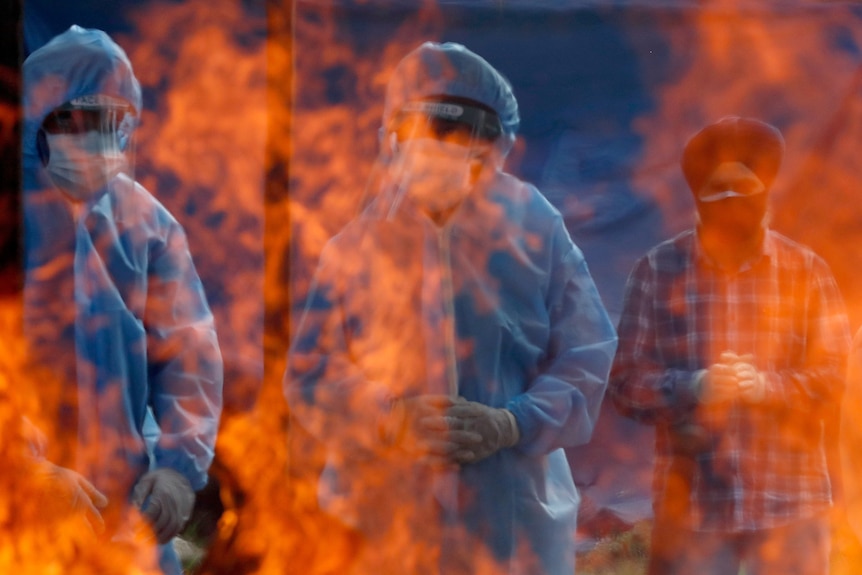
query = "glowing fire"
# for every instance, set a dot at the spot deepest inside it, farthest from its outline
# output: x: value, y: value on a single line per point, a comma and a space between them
x: 248, y: 133
x: 791, y: 66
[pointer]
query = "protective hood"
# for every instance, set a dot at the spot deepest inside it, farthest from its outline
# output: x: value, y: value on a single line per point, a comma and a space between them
x: 450, y: 69
x: 78, y: 62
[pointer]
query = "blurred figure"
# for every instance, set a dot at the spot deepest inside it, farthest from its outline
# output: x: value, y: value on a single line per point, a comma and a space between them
x: 732, y: 343
x: 112, y: 301
x: 453, y: 343
x: 851, y: 439
x: 36, y: 492
x: 53, y: 513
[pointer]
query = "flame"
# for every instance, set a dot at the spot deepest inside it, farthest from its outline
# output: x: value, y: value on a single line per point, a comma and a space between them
x: 41, y: 530
x: 791, y: 65
x: 207, y: 137
x: 42, y: 533
x: 208, y: 134
x: 284, y: 132
x: 323, y: 103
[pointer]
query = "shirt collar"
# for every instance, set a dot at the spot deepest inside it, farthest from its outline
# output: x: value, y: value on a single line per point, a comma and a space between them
x: 765, y: 253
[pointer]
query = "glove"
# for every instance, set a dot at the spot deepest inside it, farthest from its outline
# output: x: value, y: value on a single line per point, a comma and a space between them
x: 718, y: 383
x: 495, y: 428
x: 68, y: 492
x: 166, y: 499
x: 418, y: 426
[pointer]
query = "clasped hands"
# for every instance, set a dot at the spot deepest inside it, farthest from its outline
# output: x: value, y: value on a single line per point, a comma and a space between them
x: 441, y: 430
x: 733, y: 376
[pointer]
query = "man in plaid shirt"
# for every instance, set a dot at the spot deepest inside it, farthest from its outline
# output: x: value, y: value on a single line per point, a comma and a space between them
x: 733, y: 343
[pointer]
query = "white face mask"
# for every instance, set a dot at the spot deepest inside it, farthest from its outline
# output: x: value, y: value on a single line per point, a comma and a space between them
x: 435, y: 174
x: 82, y: 164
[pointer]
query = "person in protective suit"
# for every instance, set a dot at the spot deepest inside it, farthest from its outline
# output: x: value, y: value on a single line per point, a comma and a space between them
x: 453, y: 342
x: 112, y: 300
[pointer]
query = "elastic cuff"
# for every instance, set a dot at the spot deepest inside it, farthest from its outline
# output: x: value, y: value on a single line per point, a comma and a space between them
x: 184, y: 465
x: 527, y: 429
x: 515, y: 432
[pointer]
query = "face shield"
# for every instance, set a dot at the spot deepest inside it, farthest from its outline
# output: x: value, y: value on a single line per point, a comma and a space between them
x: 86, y: 142
x: 438, y: 149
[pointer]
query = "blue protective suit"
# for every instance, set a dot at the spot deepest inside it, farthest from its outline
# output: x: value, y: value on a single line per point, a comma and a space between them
x: 497, y: 306
x: 113, y: 301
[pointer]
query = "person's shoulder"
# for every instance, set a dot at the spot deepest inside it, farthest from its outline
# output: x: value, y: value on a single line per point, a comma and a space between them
x: 524, y: 193
x: 135, y: 207
x: 671, y: 255
x: 790, y: 253
x: 352, y: 232
x: 347, y: 242
x: 784, y: 244
x: 524, y: 204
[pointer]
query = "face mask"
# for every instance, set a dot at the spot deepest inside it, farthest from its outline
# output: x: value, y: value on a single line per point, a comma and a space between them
x: 435, y: 174
x: 82, y: 164
x: 737, y: 217
x: 732, y: 201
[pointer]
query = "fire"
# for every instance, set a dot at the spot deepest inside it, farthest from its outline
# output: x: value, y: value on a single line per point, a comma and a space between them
x: 40, y: 531
x: 236, y: 110
x: 264, y: 144
x: 794, y: 66
x: 41, y: 534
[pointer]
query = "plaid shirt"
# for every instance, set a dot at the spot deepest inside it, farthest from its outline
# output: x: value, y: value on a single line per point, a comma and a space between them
x: 743, y: 466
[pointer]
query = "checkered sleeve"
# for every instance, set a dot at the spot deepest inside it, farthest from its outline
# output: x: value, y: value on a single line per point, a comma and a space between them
x: 819, y: 378
x: 641, y: 386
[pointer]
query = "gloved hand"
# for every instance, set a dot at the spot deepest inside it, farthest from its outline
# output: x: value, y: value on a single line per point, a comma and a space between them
x: 166, y: 499
x: 418, y: 426
x: 496, y: 429
x: 718, y: 383
x: 68, y: 492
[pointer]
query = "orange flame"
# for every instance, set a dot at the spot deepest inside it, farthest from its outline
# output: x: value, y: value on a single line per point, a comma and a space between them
x: 239, y: 112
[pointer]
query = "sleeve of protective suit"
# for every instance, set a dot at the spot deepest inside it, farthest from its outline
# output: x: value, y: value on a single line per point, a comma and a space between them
x: 185, y: 364
x: 641, y: 387
x: 326, y: 392
x: 559, y: 408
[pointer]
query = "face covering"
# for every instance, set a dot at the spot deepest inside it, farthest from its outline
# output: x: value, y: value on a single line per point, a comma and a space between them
x: 732, y: 202
x: 435, y: 174
x: 82, y: 164
x: 737, y: 217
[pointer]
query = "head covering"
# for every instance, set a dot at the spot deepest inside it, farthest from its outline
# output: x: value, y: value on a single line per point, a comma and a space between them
x: 756, y: 144
x: 450, y: 69
x: 79, y: 62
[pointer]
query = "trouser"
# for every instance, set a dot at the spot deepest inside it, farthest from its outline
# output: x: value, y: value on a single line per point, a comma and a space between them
x: 798, y: 548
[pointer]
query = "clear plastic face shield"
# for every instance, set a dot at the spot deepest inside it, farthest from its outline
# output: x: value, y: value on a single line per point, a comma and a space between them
x: 87, y: 142
x: 438, y: 150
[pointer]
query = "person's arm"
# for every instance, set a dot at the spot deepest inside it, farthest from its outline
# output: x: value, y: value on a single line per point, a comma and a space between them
x: 326, y: 391
x: 185, y: 364
x: 641, y: 387
x: 819, y: 380
x: 560, y: 406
